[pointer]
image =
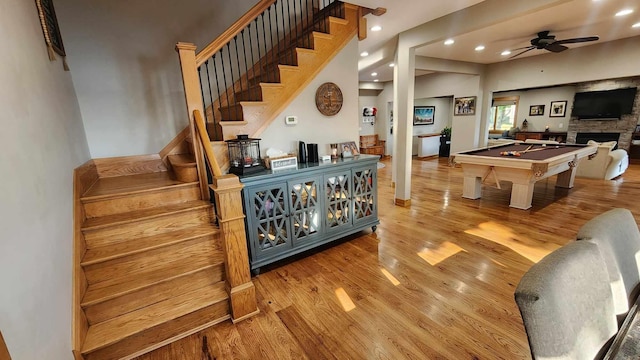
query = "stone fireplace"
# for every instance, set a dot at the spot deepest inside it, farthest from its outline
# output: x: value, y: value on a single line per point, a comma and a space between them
x: 606, y: 130
x: 584, y: 137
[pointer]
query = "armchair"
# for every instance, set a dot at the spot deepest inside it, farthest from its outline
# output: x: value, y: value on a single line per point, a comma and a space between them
x: 370, y: 144
x: 607, y: 164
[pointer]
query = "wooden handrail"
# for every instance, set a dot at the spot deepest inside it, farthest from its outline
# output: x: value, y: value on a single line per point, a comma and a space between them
x: 232, y: 31
x: 206, y: 143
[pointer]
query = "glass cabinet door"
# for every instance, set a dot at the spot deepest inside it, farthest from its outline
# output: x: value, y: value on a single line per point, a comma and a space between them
x: 338, y: 200
x: 364, y: 193
x: 269, y: 211
x: 304, y: 210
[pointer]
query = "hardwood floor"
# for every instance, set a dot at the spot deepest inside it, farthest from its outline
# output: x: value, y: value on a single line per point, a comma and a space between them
x: 436, y: 280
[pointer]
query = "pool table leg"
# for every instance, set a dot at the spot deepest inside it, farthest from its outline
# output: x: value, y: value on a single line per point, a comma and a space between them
x: 472, y: 187
x: 521, y: 195
x: 565, y: 179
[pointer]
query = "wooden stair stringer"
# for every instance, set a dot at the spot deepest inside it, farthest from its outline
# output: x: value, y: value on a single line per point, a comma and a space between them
x: 310, y: 63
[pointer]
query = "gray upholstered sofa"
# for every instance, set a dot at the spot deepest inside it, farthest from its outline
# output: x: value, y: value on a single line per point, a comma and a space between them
x: 574, y: 299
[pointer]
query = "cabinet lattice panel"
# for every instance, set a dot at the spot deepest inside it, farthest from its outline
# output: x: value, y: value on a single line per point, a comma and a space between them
x: 304, y: 209
x: 363, y: 191
x: 338, y: 201
x: 270, y: 213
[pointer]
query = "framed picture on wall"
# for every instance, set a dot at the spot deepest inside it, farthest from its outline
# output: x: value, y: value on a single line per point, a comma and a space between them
x: 464, y: 105
x: 424, y: 115
x: 558, y: 109
x: 536, y: 110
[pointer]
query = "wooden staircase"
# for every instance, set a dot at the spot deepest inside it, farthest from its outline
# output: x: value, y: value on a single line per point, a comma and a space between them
x: 293, y: 68
x: 153, y: 264
x: 272, y: 84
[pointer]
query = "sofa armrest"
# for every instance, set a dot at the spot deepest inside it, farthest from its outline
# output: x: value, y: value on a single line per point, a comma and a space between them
x: 595, y: 167
x: 618, y: 162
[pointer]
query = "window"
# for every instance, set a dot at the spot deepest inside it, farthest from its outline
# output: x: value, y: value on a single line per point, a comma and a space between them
x: 503, y: 113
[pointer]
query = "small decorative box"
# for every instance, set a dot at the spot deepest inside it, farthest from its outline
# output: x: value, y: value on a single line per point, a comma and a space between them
x: 288, y: 162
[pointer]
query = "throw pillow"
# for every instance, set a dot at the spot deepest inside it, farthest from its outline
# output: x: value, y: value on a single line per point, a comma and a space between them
x: 609, y: 144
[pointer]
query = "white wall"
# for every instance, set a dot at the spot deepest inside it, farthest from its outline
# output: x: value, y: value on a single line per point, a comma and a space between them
x: 464, y: 129
x: 369, y: 98
x: 43, y: 141
x: 125, y: 69
x: 551, y: 72
x: 442, y: 118
x: 543, y: 97
x: 313, y: 127
x: 610, y: 60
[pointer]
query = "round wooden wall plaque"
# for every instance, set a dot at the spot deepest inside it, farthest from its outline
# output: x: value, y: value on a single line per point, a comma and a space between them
x: 329, y: 99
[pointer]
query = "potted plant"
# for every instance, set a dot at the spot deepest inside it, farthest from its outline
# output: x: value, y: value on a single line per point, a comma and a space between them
x: 445, y: 141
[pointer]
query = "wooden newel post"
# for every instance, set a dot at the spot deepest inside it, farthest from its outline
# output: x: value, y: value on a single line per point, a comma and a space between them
x: 193, y: 99
x: 231, y: 219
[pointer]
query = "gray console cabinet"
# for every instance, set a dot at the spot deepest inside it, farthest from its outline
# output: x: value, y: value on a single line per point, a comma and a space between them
x: 295, y: 210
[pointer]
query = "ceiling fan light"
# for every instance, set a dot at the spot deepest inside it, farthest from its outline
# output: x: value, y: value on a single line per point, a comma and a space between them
x: 624, y: 12
x: 479, y: 48
x: 505, y: 53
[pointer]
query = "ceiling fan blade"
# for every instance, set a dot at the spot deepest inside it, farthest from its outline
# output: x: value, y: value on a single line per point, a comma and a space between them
x: 522, y: 52
x: 577, y: 40
x: 521, y: 48
x: 555, y: 47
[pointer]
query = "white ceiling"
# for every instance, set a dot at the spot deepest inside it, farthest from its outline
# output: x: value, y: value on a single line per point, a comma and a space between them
x: 575, y: 18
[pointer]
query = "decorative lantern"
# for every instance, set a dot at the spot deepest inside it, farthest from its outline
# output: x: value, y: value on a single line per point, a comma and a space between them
x: 244, y: 155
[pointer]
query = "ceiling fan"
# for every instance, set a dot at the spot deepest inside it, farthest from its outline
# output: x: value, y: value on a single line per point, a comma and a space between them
x: 549, y: 43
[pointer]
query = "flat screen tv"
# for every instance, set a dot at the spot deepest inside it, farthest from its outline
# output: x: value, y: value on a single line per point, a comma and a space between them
x: 608, y: 104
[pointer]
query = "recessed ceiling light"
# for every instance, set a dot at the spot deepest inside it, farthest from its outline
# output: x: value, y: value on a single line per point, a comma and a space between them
x: 479, y: 47
x: 376, y: 28
x: 392, y: 65
x: 374, y: 74
x: 449, y: 42
x: 376, y: 80
x: 364, y: 53
x: 624, y: 12
x: 505, y: 53
x: 636, y: 25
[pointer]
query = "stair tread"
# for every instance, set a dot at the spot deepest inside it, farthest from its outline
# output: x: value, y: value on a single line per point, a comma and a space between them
x: 271, y: 85
x: 138, y: 215
x: 159, y: 292
x: 289, y: 67
x: 163, y: 334
x: 111, y: 331
x: 112, y: 288
x: 245, y: 103
x: 319, y: 34
x: 120, y: 184
x: 113, y: 251
x: 182, y: 160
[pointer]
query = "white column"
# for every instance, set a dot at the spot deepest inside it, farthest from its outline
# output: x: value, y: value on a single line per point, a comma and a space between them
x: 404, y: 80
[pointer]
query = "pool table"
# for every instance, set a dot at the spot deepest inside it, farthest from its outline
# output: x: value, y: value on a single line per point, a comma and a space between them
x: 539, y: 162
